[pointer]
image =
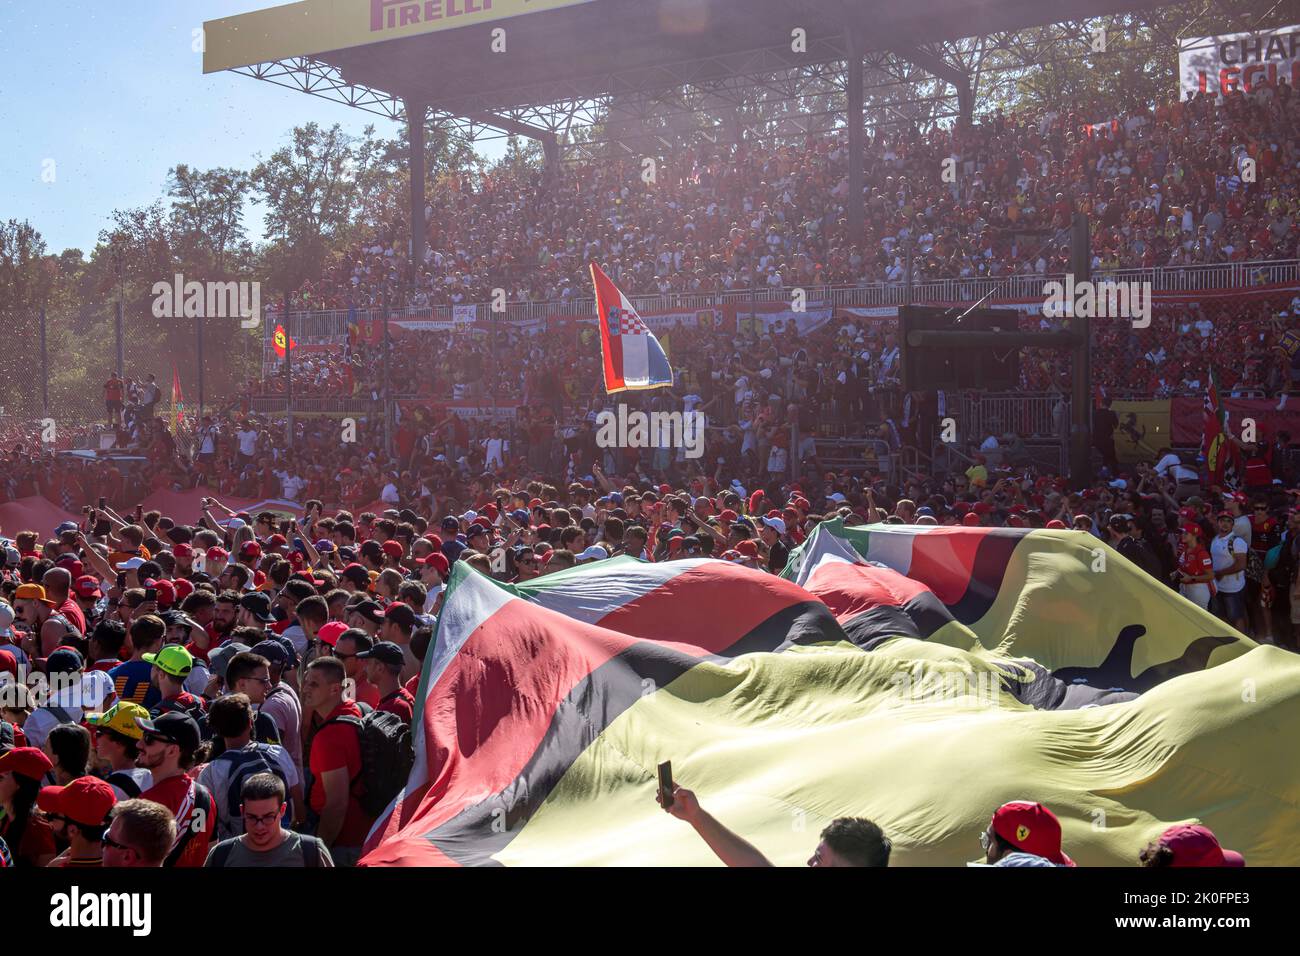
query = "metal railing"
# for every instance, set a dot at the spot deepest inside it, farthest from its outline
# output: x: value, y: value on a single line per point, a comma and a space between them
x: 323, y: 325
x: 1031, y: 415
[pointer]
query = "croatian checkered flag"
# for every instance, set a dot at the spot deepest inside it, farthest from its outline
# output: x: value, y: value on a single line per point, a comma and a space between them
x: 634, y: 359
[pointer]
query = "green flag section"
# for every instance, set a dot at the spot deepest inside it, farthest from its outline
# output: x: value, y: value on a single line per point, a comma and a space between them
x: 919, y: 677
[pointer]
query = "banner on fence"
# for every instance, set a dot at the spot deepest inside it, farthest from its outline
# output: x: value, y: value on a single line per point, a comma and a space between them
x: 1143, y: 429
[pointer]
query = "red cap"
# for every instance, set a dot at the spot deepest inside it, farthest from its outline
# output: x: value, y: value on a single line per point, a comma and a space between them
x: 85, y: 800
x: 728, y: 516
x: 217, y: 554
x: 982, y: 508
x: 535, y: 503
x: 439, y: 561
x: 747, y: 547
x: 1194, y: 845
x: 1056, y: 523
x: 329, y: 632
x: 1031, y: 827
x: 8, y: 663
x: 490, y: 509
x: 183, y: 550
x: 665, y: 489
x: 276, y: 541
x: 259, y: 578
x: 87, y: 586
x: 1191, y: 529
x: 393, y: 549
x: 166, y: 593
x: 970, y: 519
x: 296, y: 559
x: 250, y: 549
x: 28, y: 762
x: 183, y: 588
x: 434, y: 539
x: 72, y: 566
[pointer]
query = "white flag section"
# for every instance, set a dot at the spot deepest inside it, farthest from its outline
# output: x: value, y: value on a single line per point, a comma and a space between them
x: 1239, y: 62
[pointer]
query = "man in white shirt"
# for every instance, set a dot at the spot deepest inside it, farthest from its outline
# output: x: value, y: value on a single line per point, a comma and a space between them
x: 1169, y: 466
x: 1228, y: 554
x: 247, y: 437
x: 71, y: 694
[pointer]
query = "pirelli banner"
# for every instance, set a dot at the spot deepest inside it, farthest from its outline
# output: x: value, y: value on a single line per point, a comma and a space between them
x: 1239, y: 62
x: 321, y: 26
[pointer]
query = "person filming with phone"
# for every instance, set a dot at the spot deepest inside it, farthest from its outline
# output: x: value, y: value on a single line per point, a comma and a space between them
x: 845, y: 841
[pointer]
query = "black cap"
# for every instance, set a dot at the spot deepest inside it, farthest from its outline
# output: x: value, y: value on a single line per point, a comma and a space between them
x: 370, y: 610
x: 259, y: 605
x: 357, y: 574
x: 64, y: 660
x: 173, y: 726
x: 450, y: 522
x: 400, y: 614
x: 274, y: 652
x: 385, y: 651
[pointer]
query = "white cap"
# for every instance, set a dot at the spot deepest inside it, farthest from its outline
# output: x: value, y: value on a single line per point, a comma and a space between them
x: 6, y: 619
x: 130, y: 564
x: 594, y: 553
x: 776, y: 524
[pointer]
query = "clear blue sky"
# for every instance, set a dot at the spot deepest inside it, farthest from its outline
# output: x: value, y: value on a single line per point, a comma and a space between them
x: 113, y: 93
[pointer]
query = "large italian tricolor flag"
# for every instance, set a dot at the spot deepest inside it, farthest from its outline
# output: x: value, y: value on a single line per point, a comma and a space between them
x: 919, y: 677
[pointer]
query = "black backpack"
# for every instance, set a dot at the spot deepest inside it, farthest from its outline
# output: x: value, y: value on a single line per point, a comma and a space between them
x: 196, y: 710
x: 124, y: 782
x: 387, y: 755
x: 243, y: 764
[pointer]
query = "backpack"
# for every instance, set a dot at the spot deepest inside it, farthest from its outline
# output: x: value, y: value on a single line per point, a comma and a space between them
x: 124, y: 782
x: 387, y: 755
x: 243, y: 764
x: 310, y: 852
x: 195, y: 710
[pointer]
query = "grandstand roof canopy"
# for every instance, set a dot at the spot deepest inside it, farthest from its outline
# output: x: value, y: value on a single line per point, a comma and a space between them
x: 440, y: 51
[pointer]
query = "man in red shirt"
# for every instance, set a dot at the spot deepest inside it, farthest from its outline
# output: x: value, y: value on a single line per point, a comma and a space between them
x: 333, y: 758
x: 79, y: 815
x: 58, y: 588
x: 383, y: 670
x: 167, y: 751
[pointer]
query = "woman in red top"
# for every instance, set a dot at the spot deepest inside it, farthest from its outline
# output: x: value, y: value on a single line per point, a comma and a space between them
x: 1195, y: 568
x: 30, y: 837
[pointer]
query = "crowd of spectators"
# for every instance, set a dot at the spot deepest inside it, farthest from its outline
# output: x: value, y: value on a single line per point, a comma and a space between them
x: 1166, y: 186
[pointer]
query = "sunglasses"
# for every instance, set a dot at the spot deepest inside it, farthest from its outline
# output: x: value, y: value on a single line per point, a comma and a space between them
x: 109, y: 841
x: 150, y: 739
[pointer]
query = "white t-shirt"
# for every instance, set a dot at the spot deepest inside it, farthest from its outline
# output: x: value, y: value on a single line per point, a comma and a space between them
x: 1224, y: 558
x: 1170, y: 465
x: 92, y: 693
x: 247, y: 442
x: 143, y: 779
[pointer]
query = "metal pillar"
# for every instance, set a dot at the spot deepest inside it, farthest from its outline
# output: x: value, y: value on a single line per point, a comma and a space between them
x: 415, y: 113
x: 117, y: 331
x: 288, y: 370
x: 45, y: 371
x: 854, y: 120
x: 199, y: 329
x: 1081, y: 384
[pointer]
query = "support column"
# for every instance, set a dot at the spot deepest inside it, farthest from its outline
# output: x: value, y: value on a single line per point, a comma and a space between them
x: 965, y: 99
x: 551, y: 150
x: 1081, y: 390
x: 415, y: 116
x: 854, y: 120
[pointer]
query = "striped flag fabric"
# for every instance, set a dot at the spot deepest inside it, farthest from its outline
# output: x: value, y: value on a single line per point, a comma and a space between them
x: 633, y: 357
x: 919, y: 677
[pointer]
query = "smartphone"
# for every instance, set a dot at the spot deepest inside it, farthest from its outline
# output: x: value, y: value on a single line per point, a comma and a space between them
x: 121, y: 580
x: 151, y: 594
x: 103, y: 502
x: 666, y: 783
x: 284, y: 528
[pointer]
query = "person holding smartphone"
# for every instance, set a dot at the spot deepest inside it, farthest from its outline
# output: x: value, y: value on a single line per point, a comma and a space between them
x: 845, y: 841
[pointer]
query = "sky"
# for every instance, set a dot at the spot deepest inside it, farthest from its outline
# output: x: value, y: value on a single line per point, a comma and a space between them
x: 100, y: 98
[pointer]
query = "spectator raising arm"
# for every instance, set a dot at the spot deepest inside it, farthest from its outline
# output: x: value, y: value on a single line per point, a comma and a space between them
x: 733, y: 850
